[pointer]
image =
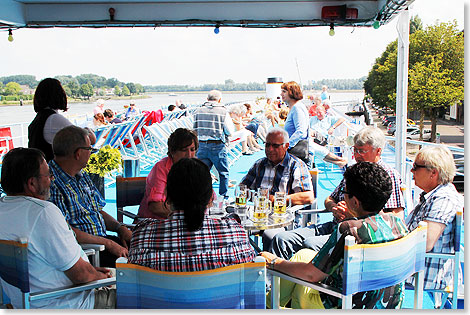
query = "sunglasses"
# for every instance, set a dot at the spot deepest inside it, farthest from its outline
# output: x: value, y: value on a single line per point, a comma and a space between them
x: 91, y: 149
x: 274, y: 145
x: 416, y: 166
x: 344, y: 191
x: 360, y: 152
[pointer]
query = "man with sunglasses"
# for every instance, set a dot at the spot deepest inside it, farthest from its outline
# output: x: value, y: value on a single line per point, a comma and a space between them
x: 368, y: 145
x: 76, y: 196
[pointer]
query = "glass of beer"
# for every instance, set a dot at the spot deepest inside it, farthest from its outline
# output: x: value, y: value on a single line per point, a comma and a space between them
x: 280, y: 203
x: 263, y: 194
x: 241, y: 195
x: 262, y: 209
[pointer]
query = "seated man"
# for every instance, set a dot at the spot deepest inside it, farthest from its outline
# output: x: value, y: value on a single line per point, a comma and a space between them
x: 79, y: 200
x: 368, y: 145
x: 54, y: 257
x: 323, y: 125
x: 280, y: 171
x: 367, y: 188
x: 433, y: 172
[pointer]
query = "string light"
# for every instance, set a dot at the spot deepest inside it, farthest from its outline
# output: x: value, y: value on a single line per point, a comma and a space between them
x: 10, y: 35
x: 376, y: 24
x: 332, y: 30
x: 217, y: 28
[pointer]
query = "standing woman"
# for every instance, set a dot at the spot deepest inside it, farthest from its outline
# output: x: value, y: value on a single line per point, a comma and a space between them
x: 296, y: 123
x: 48, y: 99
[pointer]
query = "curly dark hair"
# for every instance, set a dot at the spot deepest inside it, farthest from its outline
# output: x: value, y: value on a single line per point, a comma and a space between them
x: 189, y: 188
x: 370, y: 183
x: 49, y: 94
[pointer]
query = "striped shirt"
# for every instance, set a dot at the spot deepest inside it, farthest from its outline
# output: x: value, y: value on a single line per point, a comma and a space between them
x: 289, y: 176
x: 212, y: 122
x: 439, y: 205
x: 78, y: 199
x: 167, y: 245
x: 396, y: 199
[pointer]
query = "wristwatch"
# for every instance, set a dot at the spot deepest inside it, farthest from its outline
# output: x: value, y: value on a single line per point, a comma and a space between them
x: 272, y: 263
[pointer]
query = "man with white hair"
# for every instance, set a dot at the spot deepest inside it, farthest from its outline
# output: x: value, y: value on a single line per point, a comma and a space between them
x: 214, y: 126
x: 99, y: 108
x: 433, y: 171
x: 368, y: 145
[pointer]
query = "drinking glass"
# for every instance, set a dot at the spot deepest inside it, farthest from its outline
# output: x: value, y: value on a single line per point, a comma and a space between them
x: 241, y: 195
x: 280, y: 203
x: 263, y: 194
x: 262, y: 209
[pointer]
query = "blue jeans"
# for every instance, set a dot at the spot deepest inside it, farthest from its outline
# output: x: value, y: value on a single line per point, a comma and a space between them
x: 216, y: 154
x: 286, y: 244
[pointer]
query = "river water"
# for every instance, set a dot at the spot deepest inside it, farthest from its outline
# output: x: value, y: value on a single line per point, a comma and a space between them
x: 25, y: 114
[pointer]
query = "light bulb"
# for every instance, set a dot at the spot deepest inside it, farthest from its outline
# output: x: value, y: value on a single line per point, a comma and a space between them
x: 216, y: 30
x: 376, y: 24
x: 332, y: 31
x: 10, y: 35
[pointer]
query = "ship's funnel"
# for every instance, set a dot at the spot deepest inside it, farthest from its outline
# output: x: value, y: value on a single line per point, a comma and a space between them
x: 273, y: 88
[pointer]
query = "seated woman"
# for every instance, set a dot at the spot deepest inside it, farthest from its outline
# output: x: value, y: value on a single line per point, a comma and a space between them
x: 253, y: 124
x: 249, y: 144
x: 189, y: 240
x: 367, y: 189
x: 182, y: 143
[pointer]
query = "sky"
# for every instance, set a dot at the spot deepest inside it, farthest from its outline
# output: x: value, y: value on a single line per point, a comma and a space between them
x: 196, y: 56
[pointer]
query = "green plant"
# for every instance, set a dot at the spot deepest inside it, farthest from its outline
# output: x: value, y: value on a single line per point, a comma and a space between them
x: 104, y: 161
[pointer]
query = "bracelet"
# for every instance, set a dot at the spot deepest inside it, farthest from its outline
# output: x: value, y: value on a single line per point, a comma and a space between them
x: 273, y: 262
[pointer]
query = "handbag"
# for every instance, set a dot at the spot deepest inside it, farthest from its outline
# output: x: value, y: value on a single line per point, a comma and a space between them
x: 300, y: 150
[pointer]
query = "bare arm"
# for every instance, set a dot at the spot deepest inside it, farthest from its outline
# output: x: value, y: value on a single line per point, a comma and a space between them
x: 113, y: 247
x: 339, y: 210
x: 159, y: 208
x: 302, y: 198
x: 435, y: 230
x: 83, y: 272
x: 301, y: 270
x: 113, y: 225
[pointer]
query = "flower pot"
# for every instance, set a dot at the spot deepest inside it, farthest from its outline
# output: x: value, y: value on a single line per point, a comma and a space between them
x: 99, y: 182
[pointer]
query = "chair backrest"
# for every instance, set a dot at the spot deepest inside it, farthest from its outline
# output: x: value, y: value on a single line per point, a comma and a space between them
x: 374, y: 266
x: 314, y: 174
x: 241, y: 286
x: 129, y: 192
x: 14, y: 264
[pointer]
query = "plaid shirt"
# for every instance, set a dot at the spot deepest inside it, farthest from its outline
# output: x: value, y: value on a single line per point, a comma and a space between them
x: 167, y: 245
x: 439, y: 205
x: 289, y: 176
x: 78, y: 199
x: 396, y: 199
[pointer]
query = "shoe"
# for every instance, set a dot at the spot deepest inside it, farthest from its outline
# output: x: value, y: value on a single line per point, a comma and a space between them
x: 248, y: 152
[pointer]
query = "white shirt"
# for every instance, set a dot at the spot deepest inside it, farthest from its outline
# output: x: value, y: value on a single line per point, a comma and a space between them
x: 52, y: 249
x: 54, y: 123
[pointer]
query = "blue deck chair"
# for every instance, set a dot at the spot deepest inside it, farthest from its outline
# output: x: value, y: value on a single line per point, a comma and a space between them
x: 447, y: 294
x: 14, y: 270
x: 372, y: 266
x: 241, y: 286
x: 101, y: 133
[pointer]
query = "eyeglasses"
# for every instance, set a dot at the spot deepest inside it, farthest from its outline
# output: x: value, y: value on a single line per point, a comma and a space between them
x: 91, y: 149
x: 360, y: 152
x: 416, y: 166
x: 274, y: 145
x: 50, y: 175
x: 344, y: 191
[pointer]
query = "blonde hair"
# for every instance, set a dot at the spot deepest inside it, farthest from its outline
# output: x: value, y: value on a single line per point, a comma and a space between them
x: 439, y: 158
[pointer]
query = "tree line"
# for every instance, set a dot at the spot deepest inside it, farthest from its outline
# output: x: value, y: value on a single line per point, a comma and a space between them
x: 436, y: 71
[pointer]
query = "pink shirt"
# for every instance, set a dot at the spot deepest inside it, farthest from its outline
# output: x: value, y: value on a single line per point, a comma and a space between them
x: 155, y: 188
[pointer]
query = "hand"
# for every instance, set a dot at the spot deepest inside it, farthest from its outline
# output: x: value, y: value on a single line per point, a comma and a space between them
x: 116, y: 249
x: 125, y: 235
x: 268, y: 256
x: 330, y: 131
x: 104, y: 271
x: 340, y: 210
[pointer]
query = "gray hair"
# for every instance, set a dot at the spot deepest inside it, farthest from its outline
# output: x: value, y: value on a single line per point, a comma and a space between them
x: 277, y: 130
x: 238, y: 109
x: 68, y: 139
x: 439, y: 158
x: 370, y: 135
x: 214, y: 95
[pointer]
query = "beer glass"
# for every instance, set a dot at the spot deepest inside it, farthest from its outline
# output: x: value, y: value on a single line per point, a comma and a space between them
x: 241, y: 195
x: 280, y: 203
x: 263, y: 194
x: 262, y: 209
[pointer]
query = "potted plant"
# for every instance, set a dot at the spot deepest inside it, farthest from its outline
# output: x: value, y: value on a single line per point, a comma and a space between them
x: 101, y: 164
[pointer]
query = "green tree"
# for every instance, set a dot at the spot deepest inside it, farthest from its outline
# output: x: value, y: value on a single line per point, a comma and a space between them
x: 117, y: 90
x: 415, y: 24
x: 22, y: 79
x: 12, y: 88
x: 125, y: 91
x: 131, y: 87
x: 86, y: 90
x: 74, y: 88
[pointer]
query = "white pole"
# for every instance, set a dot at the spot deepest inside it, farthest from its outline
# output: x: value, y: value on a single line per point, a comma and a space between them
x: 403, y: 28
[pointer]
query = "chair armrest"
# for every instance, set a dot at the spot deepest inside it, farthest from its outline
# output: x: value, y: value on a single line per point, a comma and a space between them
x: 128, y: 214
x: 72, y: 289
x: 96, y: 247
